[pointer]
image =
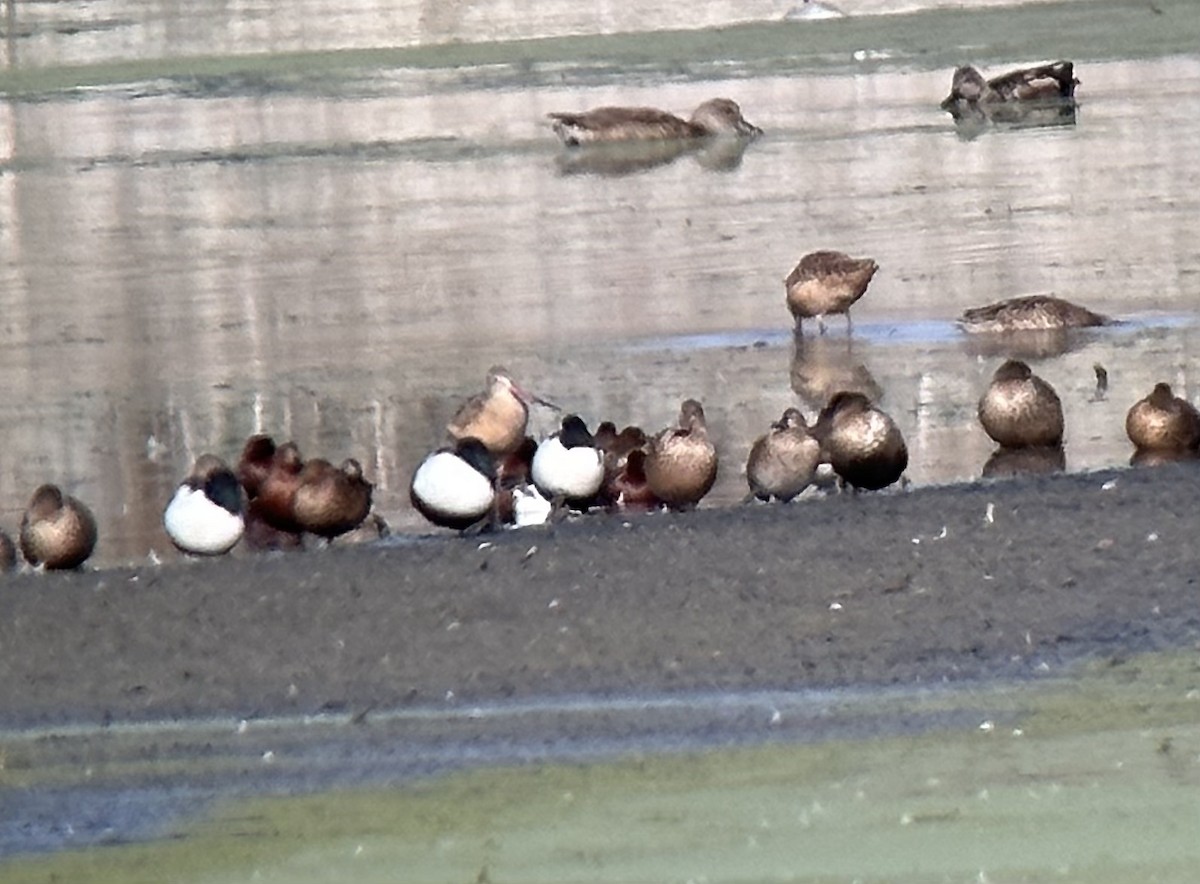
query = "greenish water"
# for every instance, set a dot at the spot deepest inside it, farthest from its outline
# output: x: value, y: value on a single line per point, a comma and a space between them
x: 1088, y: 781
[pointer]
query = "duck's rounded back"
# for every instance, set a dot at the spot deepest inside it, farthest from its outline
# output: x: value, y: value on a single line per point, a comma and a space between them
x: 455, y: 487
x: 861, y: 442
x: 331, y: 500
x: 58, y: 532
x: 1020, y: 410
x: 1163, y: 421
x: 782, y: 462
x: 206, y: 515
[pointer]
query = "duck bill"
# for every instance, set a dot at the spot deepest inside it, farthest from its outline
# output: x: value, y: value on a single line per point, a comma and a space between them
x: 747, y: 129
x: 531, y: 398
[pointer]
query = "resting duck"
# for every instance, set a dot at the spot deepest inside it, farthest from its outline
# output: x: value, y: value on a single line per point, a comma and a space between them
x: 1163, y: 422
x: 206, y: 515
x: 1020, y: 410
x: 827, y: 282
x: 496, y: 417
x: 455, y: 487
x: 1007, y: 97
x: 717, y: 116
x: 330, y: 501
x: 861, y: 442
x: 681, y: 462
x: 58, y: 532
x: 568, y: 467
x: 1029, y: 313
x: 782, y: 462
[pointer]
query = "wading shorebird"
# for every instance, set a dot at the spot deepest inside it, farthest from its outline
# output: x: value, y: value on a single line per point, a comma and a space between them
x: 496, y: 417
x: 717, y: 116
x: 206, y: 515
x: 782, y: 462
x: 1020, y: 410
x: 1163, y: 422
x: 681, y: 462
x: 58, y: 532
x: 827, y: 282
x: 455, y: 487
x: 861, y: 442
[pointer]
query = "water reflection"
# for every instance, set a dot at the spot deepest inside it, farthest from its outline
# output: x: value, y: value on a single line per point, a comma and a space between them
x: 628, y: 158
x: 1009, y: 462
x: 823, y: 365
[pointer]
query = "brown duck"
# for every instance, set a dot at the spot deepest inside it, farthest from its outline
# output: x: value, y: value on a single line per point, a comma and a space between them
x: 1009, y: 96
x: 861, y: 442
x: 329, y: 500
x: 827, y: 282
x: 1020, y: 410
x: 1163, y: 422
x: 1029, y: 313
x: 681, y: 462
x: 57, y: 532
x: 8, y: 553
x: 717, y: 116
x: 782, y: 462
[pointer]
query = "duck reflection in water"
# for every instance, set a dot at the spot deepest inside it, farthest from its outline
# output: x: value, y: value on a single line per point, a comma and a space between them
x: 616, y: 158
x: 823, y: 366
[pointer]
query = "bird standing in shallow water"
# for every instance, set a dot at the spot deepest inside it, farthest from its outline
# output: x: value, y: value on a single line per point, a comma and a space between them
x: 497, y: 416
x: 206, y: 515
x: 827, y: 282
x: 1020, y: 410
x: 861, y: 442
x: 782, y: 462
x: 1163, y: 422
x: 681, y: 462
x: 58, y: 532
x: 717, y: 116
x: 455, y: 487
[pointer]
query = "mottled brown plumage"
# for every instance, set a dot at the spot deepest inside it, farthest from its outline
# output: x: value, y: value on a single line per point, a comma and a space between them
x: 255, y: 463
x: 276, y: 498
x: 1020, y: 410
x: 331, y: 500
x: 681, y: 462
x: 827, y: 282
x: 1006, y: 97
x: 782, y: 462
x: 861, y: 442
x: 496, y: 417
x: 1029, y: 313
x: 717, y: 116
x: 1163, y: 422
x: 57, y: 531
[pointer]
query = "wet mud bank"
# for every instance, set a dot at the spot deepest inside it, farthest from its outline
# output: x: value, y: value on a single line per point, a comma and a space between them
x: 937, y: 584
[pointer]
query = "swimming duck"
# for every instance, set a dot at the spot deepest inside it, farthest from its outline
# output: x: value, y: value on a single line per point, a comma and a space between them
x: 568, y: 467
x: 827, y: 282
x: 331, y: 500
x: 455, y: 487
x: 1007, y: 97
x: 1163, y: 421
x: 58, y: 532
x: 1029, y: 313
x: 717, y: 116
x: 681, y: 462
x: 206, y: 516
x: 1020, y: 410
x: 861, y: 442
x: 8, y: 553
x: 782, y: 462
x: 497, y: 416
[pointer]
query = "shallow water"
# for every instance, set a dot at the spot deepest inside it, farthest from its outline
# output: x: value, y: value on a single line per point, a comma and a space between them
x: 333, y: 243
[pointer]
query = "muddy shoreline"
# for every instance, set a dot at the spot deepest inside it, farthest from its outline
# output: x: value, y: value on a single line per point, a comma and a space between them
x: 891, y: 589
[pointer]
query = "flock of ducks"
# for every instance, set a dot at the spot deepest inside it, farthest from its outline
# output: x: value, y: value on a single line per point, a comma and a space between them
x: 491, y: 472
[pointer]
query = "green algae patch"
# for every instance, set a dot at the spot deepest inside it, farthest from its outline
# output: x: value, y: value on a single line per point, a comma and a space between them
x: 1088, y: 780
